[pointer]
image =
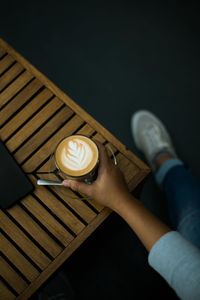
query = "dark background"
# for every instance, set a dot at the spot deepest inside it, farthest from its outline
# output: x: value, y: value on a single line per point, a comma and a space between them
x: 113, y: 58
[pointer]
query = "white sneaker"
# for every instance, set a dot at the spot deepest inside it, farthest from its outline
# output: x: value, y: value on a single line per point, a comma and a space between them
x: 151, y: 136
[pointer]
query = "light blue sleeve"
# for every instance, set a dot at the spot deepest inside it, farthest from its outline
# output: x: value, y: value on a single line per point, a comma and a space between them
x: 178, y: 262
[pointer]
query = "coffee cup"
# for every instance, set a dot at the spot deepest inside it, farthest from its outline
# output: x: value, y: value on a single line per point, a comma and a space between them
x: 77, y: 158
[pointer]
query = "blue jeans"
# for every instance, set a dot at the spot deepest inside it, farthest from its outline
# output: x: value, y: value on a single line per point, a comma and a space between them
x: 183, y: 198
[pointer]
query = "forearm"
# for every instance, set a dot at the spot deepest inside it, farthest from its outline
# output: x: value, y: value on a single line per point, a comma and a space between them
x: 147, y: 227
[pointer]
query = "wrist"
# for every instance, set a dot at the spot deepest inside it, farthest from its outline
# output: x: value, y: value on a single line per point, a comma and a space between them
x: 122, y: 202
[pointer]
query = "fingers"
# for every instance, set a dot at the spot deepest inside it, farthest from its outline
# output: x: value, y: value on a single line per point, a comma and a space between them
x: 86, y: 189
x: 79, y: 187
x: 103, y: 155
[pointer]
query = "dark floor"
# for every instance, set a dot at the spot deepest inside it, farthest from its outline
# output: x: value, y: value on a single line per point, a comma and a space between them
x: 122, y: 55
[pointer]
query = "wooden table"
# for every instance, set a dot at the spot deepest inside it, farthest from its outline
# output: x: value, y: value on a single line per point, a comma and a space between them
x: 46, y: 227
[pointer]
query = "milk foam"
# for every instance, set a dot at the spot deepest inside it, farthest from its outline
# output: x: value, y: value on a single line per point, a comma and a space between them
x: 77, y: 155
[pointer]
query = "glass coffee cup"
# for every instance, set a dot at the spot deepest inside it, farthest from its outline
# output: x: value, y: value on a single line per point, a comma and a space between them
x: 77, y: 157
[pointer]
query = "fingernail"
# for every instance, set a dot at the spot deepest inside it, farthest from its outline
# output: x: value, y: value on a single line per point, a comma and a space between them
x: 66, y: 183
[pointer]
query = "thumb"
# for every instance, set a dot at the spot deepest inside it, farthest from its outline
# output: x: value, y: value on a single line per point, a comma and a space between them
x: 78, y: 186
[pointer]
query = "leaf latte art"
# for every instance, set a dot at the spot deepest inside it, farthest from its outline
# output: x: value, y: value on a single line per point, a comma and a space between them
x: 77, y: 155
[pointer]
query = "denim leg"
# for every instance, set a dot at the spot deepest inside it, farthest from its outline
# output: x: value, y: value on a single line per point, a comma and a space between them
x: 183, y: 198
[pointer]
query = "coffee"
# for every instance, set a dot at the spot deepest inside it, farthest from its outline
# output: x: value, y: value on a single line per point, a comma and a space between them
x: 77, y: 156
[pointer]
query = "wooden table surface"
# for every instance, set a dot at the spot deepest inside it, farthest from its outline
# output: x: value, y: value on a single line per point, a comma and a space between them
x: 47, y: 226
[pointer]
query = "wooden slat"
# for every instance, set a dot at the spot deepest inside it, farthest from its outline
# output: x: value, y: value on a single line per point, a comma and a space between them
x: 75, y: 203
x: 98, y: 137
x: 72, y: 200
x: 21, y: 99
x: 5, y: 293
x: 15, y: 87
x: 35, y: 230
x: 48, y: 148
x: 10, y: 275
x: 129, y: 169
x: 22, y: 264
x: 47, y: 220
x: 7, y: 77
x: 2, y: 52
x: 110, y: 147
x: 93, y: 203
x: 136, y: 180
x: 23, y: 241
x: 22, y: 116
x: 58, y: 209
x: 32, y: 125
x: 5, y: 63
x: 38, y: 138
x: 86, y: 130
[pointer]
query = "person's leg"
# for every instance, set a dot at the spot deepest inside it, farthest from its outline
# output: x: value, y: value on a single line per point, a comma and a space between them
x: 181, y: 189
x: 183, y: 198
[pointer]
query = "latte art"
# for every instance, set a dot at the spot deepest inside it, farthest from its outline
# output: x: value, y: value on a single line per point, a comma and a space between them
x: 77, y: 155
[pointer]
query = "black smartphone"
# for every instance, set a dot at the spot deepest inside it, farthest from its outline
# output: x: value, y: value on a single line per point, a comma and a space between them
x: 14, y: 183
